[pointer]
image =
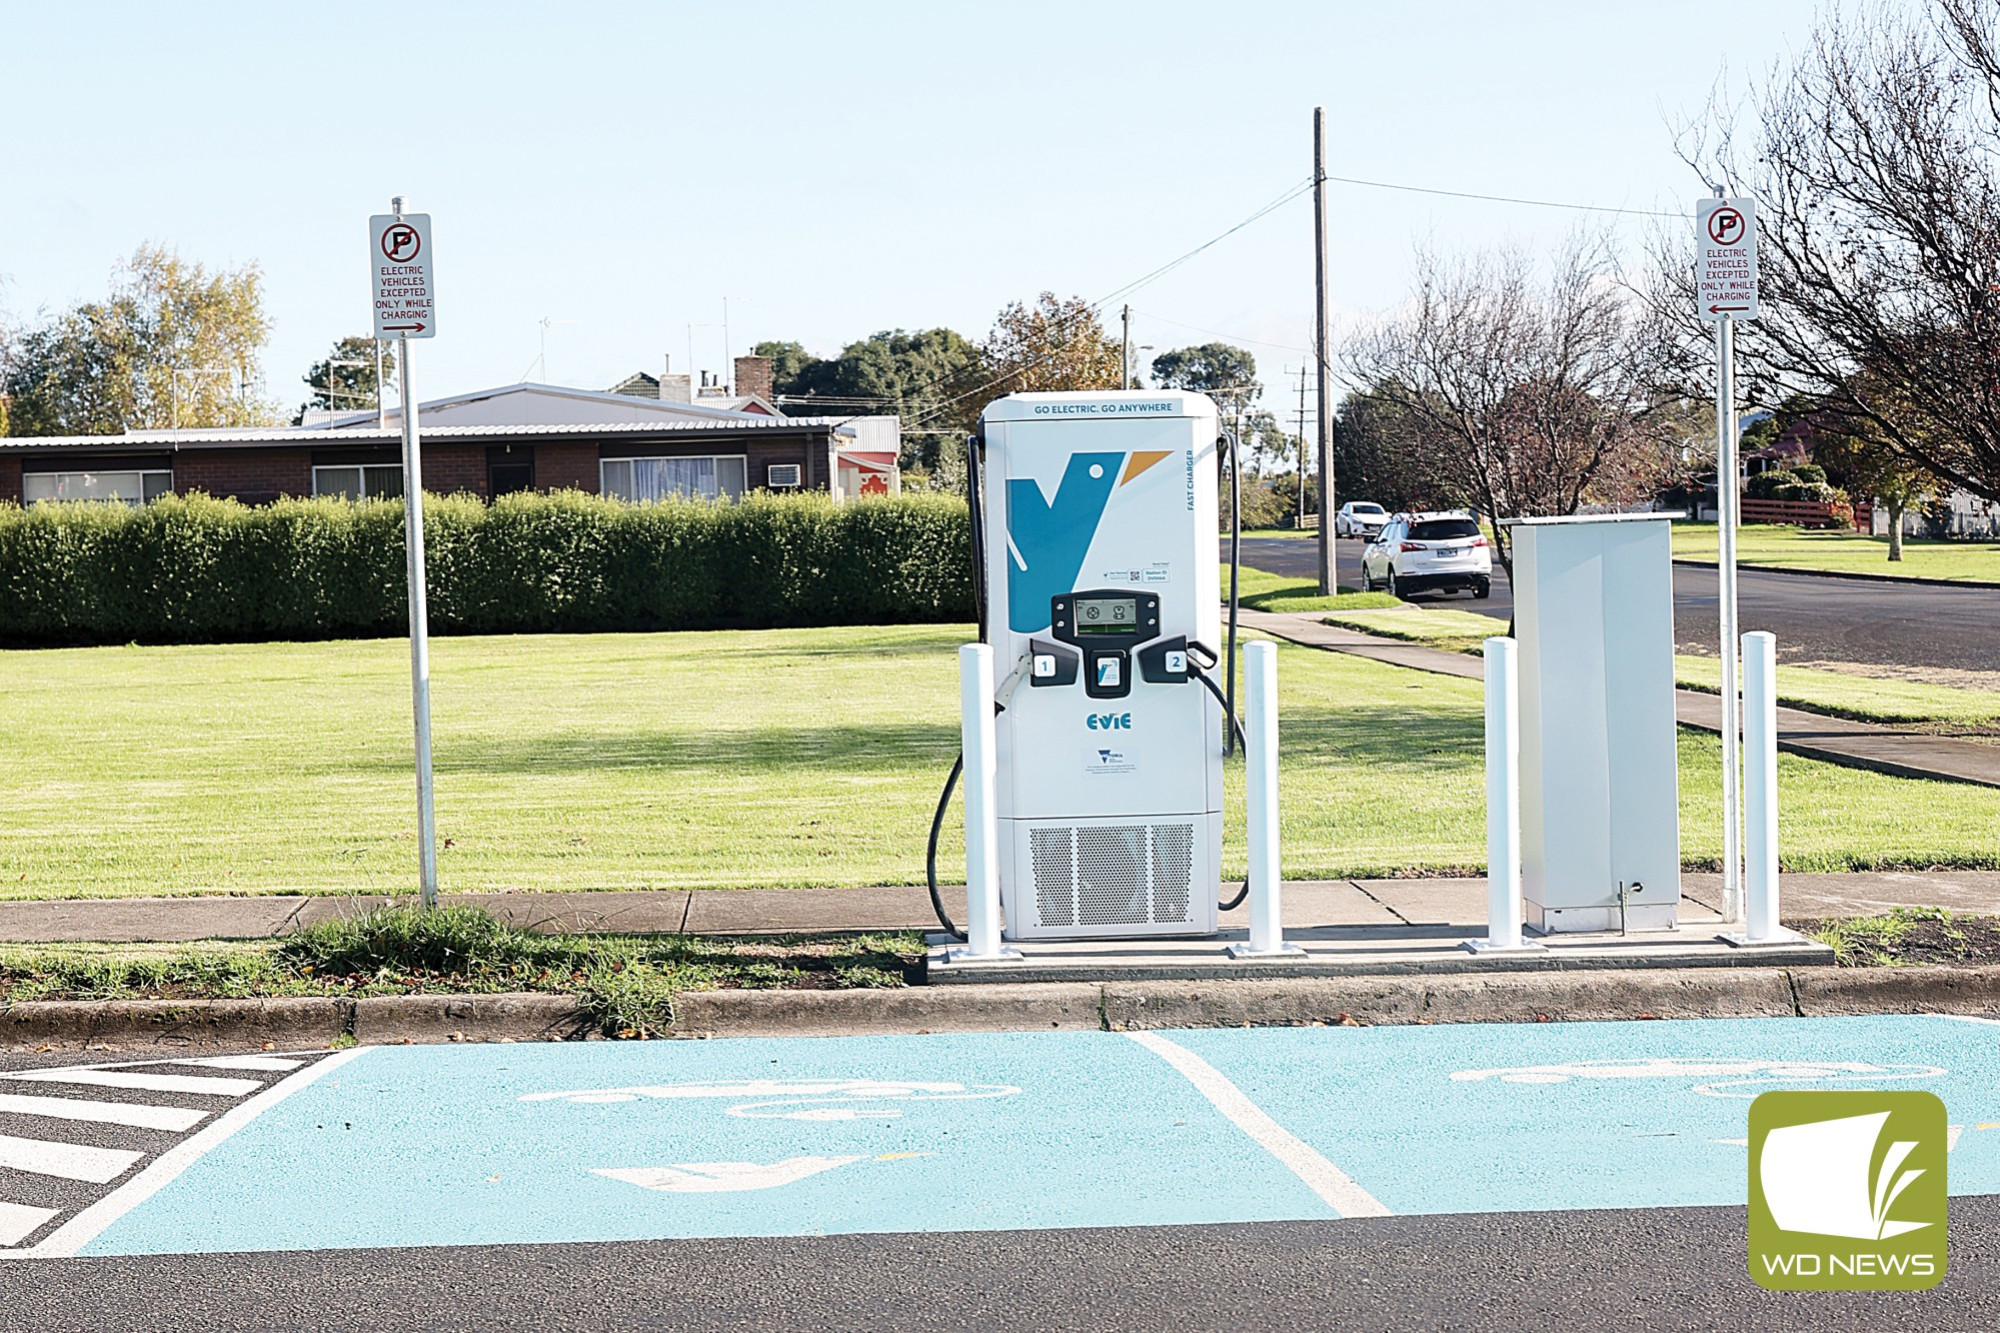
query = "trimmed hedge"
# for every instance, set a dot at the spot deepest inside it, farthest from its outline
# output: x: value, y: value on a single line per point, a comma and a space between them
x: 190, y: 569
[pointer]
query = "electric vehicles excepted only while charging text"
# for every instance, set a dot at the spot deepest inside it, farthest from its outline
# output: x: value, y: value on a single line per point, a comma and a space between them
x: 1096, y: 516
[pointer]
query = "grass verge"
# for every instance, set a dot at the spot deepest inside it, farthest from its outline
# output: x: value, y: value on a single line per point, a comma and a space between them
x: 1909, y: 936
x: 1263, y: 591
x: 627, y: 983
x: 1457, y: 631
x: 1944, y: 708
x: 1843, y: 552
x: 776, y: 759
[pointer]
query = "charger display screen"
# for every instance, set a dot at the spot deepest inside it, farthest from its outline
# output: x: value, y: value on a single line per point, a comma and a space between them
x: 1107, y: 615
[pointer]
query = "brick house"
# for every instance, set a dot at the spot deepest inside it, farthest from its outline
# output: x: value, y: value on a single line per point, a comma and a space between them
x: 522, y: 437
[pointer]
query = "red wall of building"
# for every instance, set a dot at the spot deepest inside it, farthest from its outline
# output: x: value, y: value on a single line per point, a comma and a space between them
x: 254, y: 476
x: 451, y: 468
x: 10, y: 480
x: 562, y: 467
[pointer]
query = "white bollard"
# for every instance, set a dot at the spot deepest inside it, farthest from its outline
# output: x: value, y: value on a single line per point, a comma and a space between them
x: 982, y: 833
x: 1760, y: 794
x: 1503, y: 802
x: 1260, y: 790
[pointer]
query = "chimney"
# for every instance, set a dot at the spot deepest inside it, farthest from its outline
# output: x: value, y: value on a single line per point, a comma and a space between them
x: 676, y: 389
x: 753, y: 377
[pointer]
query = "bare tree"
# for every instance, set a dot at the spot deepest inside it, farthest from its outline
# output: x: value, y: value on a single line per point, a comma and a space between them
x: 1873, y: 162
x: 1528, y: 395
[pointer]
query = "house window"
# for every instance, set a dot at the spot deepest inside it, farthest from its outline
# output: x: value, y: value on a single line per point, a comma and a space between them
x: 660, y: 478
x: 132, y: 486
x: 358, y: 482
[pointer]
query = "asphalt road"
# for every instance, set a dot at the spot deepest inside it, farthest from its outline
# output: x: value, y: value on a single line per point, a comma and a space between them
x: 1815, y: 619
x: 1676, y: 1268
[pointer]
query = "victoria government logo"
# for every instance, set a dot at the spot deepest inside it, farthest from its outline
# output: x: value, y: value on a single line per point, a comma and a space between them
x: 1847, y: 1191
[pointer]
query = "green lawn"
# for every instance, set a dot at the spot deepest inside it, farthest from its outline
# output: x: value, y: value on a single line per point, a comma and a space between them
x: 1261, y: 590
x: 785, y: 758
x: 1860, y: 697
x: 1843, y: 552
x: 1435, y: 627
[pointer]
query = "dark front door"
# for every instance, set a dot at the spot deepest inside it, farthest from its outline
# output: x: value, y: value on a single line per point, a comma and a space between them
x: 509, y: 470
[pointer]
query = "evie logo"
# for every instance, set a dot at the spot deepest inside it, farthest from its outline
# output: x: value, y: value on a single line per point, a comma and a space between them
x: 1109, y: 722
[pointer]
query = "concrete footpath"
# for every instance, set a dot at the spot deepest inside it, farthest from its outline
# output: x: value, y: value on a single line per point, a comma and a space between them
x: 1901, y: 751
x: 1420, y: 904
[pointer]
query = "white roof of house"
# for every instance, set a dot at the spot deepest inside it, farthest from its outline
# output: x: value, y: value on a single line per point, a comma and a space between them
x: 370, y: 433
x: 545, y: 405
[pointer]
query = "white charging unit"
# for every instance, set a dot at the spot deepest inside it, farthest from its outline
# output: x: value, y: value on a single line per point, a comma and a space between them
x: 1099, y: 523
x: 1600, y: 772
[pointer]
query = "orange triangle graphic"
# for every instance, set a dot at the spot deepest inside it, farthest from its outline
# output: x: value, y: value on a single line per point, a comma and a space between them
x: 1140, y: 461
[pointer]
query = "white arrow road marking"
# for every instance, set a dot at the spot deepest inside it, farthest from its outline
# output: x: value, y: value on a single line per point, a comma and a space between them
x: 117, y: 1078
x: 136, y: 1114
x: 71, y: 1161
x: 19, y: 1219
x: 1320, y: 1176
x: 722, y: 1177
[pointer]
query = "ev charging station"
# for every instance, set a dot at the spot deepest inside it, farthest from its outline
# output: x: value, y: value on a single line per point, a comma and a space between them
x: 1098, y: 519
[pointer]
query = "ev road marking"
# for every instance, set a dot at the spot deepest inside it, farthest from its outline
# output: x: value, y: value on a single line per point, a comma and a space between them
x: 136, y: 1114
x: 88, y: 1224
x: 113, y: 1078
x: 1322, y: 1177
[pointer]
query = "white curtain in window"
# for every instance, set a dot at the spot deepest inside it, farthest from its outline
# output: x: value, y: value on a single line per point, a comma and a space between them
x: 658, y: 478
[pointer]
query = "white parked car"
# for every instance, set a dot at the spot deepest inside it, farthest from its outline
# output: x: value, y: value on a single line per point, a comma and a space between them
x: 1359, y: 518
x: 1429, y: 553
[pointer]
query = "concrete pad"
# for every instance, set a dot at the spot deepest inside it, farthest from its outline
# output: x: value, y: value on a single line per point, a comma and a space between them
x: 1315, y: 902
x: 167, y: 920
x: 1355, y: 951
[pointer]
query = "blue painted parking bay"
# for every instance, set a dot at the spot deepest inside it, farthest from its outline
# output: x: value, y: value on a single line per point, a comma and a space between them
x: 460, y: 1145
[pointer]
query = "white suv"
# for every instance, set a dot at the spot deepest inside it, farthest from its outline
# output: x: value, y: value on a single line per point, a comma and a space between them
x: 1428, y: 553
x: 1359, y: 518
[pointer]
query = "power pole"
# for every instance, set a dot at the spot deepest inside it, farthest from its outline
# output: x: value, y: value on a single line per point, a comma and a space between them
x: 1125, y: 353
x: 1327, y: 581
x: 1301, y: 516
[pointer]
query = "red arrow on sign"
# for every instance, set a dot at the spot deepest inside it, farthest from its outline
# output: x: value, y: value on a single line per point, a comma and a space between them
x: 1713, y: 310
x: 396, y: 328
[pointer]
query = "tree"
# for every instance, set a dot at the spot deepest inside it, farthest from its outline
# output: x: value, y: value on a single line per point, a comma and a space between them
x: 345, y: 380
x: 172, y: 345
x: 1865, y: 464
x: 1225, y: 373
x: 1050, y: 346
x: 1384, y: 452
x: 1873, y: 161
x: 913, y: 375
x: 1523, y: 396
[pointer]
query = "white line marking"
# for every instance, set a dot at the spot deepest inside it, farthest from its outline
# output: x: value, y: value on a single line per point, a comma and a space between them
x: 104, y: 1113
x: 18, y: 1220
x: 1322, y: 1177
x: 111, y: 1078
x: 275, y: 1064
x: 87, y: 1225
x: 71, y: 1161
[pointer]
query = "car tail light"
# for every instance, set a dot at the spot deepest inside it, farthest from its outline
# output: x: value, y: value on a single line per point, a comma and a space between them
x: 1479, y: 541
x: 1415, y: 546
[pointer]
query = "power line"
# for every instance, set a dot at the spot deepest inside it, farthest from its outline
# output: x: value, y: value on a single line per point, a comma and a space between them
x: 1291, y: 193
x: 1505, y: 198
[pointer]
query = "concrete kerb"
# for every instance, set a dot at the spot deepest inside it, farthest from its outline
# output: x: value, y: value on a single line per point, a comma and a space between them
x: 310, y: 1023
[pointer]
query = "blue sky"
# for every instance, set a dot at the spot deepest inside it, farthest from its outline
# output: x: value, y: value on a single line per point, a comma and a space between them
x: 831, y: 170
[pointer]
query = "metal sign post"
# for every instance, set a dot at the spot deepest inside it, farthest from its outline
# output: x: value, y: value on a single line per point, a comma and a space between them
x: 400, y: 254
x: 1725, y: 291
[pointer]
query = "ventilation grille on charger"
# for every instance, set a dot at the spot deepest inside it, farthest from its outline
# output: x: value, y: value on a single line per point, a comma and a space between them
x: 1112, y: 875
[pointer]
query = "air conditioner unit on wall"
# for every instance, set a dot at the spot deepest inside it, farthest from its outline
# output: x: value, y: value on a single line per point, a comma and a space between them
x: 782, y: 476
